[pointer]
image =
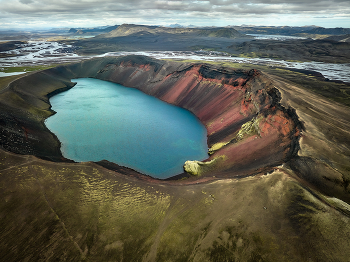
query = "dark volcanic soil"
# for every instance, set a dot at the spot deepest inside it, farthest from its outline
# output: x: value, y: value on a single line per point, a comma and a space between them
x: 147, y: 42
x: 327, y: 51
x: 10, y: 45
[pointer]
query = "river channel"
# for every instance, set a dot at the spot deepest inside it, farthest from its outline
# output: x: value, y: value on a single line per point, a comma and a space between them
x: 44, y: 52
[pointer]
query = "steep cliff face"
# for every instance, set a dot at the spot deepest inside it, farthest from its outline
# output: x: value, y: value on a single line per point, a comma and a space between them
x: 248, y: 130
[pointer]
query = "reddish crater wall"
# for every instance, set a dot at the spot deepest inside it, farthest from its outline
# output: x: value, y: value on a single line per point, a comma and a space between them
x: 223, y: 99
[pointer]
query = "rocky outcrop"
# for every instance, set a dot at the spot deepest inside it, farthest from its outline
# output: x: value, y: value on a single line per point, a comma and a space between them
x: 248, y: 130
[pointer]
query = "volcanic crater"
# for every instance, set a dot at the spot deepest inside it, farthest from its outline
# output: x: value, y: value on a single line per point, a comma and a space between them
x: 249, y: 130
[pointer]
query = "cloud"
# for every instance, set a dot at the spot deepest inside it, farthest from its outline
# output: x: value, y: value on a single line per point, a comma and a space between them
x: 26, y: 1
x: 72, y: 12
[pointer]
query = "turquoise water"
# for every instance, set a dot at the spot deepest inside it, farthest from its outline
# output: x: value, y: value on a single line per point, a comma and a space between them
x: 98, y: 120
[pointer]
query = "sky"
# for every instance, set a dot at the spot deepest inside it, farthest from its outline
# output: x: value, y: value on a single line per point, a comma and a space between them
x: 26, y: 14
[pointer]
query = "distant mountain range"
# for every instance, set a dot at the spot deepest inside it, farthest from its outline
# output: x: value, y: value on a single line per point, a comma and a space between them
x: 182, y: 26
x: 228, y: 31
x: 131, y: 29
x: 98, y: 30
